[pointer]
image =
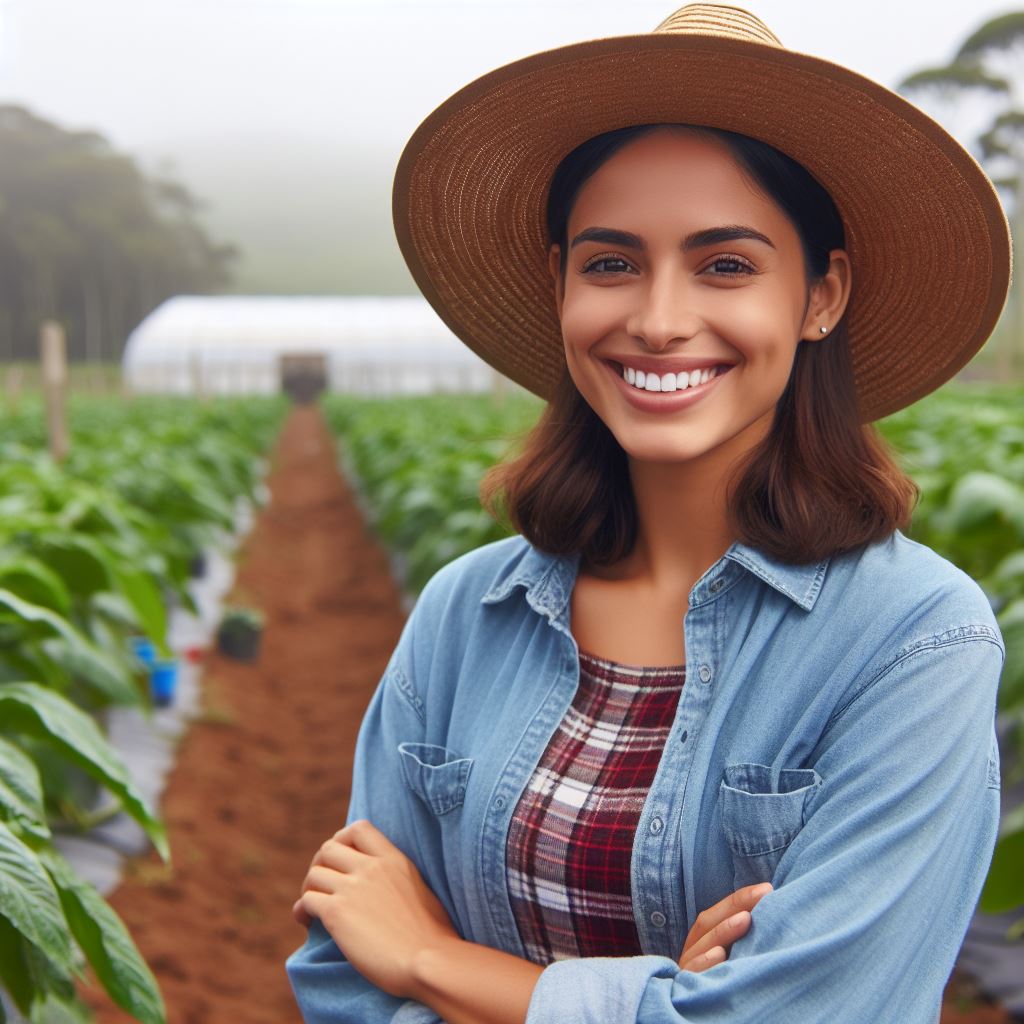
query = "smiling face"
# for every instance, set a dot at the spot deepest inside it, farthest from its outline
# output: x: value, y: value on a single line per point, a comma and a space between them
x: 679, y: 267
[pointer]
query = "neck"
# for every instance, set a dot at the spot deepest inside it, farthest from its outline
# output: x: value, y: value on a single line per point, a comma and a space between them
x: 683, y: 528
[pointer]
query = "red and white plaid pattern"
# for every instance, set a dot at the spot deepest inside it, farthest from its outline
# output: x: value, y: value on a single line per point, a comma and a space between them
x: 571, y: 837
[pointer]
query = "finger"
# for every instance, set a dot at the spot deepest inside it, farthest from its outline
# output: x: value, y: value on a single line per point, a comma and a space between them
x: 314, y: 903
x: 723, y: 934
x: 300, y: 915
x: 322, y: 879
x: 338, y: 855
x: 364, y: 836
x: 744, y: 899
x: 702, y: 961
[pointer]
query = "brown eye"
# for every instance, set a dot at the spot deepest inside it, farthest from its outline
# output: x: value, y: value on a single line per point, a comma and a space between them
x: 605, y: 265
x: 741, y: 266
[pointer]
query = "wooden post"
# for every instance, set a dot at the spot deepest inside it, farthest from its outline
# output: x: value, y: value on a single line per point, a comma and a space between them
x: 55, y: 376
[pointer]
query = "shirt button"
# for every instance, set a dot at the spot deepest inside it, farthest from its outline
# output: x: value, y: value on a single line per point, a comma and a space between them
x: 499, y: 802
x: 705, y: 673
x: 717, y: 585
x: 658, y: 919
x: 682, y: 736
x: 656, y: 826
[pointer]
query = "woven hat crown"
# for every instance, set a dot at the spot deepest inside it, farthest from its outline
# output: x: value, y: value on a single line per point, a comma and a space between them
x: 719, y: 20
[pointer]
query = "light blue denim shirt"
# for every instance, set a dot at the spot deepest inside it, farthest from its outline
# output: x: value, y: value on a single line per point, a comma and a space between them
x: 836, y: 737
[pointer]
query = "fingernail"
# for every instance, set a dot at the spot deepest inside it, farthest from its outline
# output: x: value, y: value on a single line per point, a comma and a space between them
x: 739, y: 918
x: 761, y: 890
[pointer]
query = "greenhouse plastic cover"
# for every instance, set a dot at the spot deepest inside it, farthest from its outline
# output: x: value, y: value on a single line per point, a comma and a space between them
x: 233, y: 343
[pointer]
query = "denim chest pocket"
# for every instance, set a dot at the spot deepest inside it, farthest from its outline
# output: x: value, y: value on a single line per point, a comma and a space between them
x: 761, y: 820
x: 436, y: 774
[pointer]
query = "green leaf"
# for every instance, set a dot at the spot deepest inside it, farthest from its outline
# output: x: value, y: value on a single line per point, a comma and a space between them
x: 77, y: 560
x: 77, y: 654
x: 36, y: 582
x: 106, y: 943
x: 1011, y: 682
x: 58, y: 1008
x: 14, y: 972
x: 1010, y: 572
x: 30, y: 902
x: 21, y: 792
x: 1004, y: 888
x: 980, y: 499
x: 97, y: 668
x: 147, y: 602
x: 39, y: 712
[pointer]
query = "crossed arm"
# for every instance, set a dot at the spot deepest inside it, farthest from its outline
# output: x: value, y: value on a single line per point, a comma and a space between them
x: 898, y: 843
x: 373, y: 901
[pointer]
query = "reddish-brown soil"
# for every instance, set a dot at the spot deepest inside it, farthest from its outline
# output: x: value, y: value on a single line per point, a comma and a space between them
x: 262, y: 774
x: 261, y: 778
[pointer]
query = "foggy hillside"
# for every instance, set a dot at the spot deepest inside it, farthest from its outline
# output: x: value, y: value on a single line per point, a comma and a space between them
x: 308, y: 218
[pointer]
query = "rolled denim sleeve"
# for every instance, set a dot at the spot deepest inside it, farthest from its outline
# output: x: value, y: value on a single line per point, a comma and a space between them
x: 873, y: 896
x: 327, y: 988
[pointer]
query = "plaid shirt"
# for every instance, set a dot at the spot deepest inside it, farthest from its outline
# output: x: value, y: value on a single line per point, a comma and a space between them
x: 570, y: 841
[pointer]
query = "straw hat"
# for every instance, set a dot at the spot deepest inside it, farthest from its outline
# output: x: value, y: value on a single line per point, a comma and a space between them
x: 927, y: 237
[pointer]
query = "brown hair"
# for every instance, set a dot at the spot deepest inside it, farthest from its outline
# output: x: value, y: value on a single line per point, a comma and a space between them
x: 821, y: 482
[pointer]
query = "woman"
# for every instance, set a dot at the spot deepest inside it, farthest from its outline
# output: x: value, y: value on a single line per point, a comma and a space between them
x: 711, y: 673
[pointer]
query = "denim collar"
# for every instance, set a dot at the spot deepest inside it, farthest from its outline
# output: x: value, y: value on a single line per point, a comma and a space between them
x: 548, y: 579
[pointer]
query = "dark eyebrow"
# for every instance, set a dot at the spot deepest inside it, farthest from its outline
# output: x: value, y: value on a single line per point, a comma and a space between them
x: 696, y: 240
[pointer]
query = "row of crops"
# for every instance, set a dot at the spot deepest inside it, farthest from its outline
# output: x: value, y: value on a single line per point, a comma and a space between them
x: 418, y: 464
x: 93, y: 552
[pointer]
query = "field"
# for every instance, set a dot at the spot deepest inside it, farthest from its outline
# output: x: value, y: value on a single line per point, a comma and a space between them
x: 98, y: 548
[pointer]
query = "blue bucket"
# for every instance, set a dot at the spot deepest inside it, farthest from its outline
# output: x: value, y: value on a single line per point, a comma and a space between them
x: 163, y: 680
x: 144, y: 649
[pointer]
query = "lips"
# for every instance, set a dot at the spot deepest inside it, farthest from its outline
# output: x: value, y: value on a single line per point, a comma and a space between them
x: 666, y: 379
x: 664, y: 402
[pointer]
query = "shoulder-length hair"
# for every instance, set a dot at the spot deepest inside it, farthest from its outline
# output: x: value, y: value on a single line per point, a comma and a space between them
x: 821, y: 481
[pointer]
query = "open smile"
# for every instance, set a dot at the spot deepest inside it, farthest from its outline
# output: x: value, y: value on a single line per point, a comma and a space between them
x: 666, y: 398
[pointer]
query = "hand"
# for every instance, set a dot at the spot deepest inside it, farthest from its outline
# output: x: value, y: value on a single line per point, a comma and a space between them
x: 718, y: 927
x: 374, y: 903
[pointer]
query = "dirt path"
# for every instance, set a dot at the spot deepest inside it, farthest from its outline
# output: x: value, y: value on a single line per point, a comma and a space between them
x: 262, y: 777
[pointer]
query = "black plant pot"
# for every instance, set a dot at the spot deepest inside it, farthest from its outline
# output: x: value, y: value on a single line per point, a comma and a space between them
x: 239, y: 640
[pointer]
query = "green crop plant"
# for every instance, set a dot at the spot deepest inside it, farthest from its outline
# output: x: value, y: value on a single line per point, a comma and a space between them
x: 91, y: 552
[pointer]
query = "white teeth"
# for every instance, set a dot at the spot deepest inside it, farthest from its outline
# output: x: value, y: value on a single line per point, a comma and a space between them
x: 668, y: 381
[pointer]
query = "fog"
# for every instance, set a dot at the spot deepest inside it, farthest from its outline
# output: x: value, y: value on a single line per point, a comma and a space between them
x: 288, y: 116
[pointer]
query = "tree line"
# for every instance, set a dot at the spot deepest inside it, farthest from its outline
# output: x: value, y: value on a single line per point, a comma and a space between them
x: 990, y: 63
x: 87, y: 239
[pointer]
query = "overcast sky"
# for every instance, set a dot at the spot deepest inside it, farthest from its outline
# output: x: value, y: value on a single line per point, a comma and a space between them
x: 259, y: 92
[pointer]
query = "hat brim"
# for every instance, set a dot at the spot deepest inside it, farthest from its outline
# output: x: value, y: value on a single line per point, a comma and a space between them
x: 928, y: 239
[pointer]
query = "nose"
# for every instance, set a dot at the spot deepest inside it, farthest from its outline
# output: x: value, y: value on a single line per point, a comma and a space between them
x: 664, y: 312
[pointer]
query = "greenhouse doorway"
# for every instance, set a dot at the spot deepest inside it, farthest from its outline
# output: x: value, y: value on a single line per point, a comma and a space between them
x: 303, y: 375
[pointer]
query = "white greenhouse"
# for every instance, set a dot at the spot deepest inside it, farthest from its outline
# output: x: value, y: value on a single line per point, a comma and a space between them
x: 237, y: 344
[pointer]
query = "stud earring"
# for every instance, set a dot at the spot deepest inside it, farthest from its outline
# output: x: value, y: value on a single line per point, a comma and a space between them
x: 824, y: 330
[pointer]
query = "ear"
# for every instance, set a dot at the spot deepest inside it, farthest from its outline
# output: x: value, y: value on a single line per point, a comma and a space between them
x: 554, y: 255
x: 828, y: 298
